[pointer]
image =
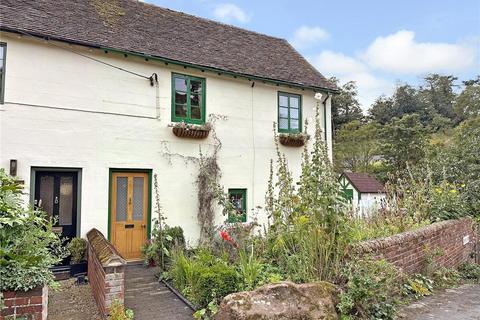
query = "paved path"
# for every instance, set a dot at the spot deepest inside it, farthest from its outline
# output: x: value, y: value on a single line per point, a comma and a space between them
x: 151, y: 300
x: 462, y: 303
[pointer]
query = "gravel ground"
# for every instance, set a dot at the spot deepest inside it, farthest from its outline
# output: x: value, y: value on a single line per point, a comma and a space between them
x: 461, y: 303
x: 72, y: 302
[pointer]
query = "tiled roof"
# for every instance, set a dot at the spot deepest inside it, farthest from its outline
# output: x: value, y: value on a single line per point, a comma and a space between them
x: 364, y: 183
x: 134, y: 26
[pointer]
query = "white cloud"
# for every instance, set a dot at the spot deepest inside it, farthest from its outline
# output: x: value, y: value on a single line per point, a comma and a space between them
x: 229, y: 12
x: 400, y: 53
x: 306, y: 36
x: 346, y: 68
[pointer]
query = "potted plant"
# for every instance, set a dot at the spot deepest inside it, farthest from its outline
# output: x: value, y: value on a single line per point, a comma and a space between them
x: 293, y: 139
x: 77, y: 248
x: 189, y: 130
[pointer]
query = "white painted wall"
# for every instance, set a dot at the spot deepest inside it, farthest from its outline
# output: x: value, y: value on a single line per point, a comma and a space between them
x: 63, y: 110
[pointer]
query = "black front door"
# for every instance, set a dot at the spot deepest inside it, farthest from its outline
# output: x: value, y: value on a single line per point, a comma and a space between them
x: 56, y: 193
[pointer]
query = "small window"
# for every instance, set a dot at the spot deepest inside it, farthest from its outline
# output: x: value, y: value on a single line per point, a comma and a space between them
x: 3, y: 53
x: 188, y: 99
x: 238, y: 197
x: 289, y: 112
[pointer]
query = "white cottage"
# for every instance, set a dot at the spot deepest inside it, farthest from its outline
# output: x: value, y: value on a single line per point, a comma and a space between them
x: 363, y: 191
x: 99, y: 96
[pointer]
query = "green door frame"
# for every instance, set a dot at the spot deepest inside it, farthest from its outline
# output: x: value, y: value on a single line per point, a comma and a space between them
x: 149, y: 206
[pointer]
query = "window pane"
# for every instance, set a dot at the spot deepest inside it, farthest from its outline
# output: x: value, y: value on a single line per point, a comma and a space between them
x: 195, y: 86
x: 283, y: 112
x: 180, y: 97
x: 294, y: 124
x: 283, y: 101
x: 66, y: 201
x: 121, y: 201
x: 181, y: 110
x: 181, y: 84
x: 283, y: 123
x: 196, y: 112
x: 138, y: 198
x: 195, y: 99
x: 46, y: 194
x: 294, y: 102
x: 294, y: 113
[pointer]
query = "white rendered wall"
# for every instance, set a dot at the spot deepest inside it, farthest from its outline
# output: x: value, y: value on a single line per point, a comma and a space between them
x: 63, y: 110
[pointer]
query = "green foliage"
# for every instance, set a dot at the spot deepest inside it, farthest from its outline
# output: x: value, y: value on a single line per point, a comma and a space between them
x: 371, y: 289
x: 77, y: 247
x: 470, y: 271
x: 157, y: 251
x: 446, y: 277
x: 28, y: 247
x: 345, y: 105
x: 418, y: 286
x: 118, y: 312
x: 203, y: 277
x: 249, y: 268
x: 356, y: 146
x: 467, y: 104
x: 307, y: 237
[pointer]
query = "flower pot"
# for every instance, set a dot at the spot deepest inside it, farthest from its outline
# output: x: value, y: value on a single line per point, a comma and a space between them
x: 294, y: 140
x: 190, y: 133
x: 78, y: 268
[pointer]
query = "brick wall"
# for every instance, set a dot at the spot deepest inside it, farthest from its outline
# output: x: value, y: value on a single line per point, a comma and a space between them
x: 106, y: 272
x: 409, y: 250
x: 32, y: 305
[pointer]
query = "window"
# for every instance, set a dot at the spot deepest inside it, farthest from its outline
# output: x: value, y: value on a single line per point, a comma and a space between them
x: 238, y: 197
x: 289, y: 112
x: 188, y: 99
x: 3, y: 53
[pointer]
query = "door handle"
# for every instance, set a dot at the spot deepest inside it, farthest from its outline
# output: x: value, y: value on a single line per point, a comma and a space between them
x: 144, y: 226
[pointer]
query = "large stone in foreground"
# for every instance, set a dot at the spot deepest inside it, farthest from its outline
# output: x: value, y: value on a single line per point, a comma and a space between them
x: 281, y: 301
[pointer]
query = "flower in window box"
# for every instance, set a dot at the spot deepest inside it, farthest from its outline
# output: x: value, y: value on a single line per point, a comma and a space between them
x: 190, y: 130
x: 293, y: 139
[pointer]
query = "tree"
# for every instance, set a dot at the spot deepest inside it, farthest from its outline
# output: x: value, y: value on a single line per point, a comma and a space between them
x: 402, y: 141
x: 382, y: 110
x: 467, y: 104
x: 345, y: 105
x: 356, y: 146
x: 437, y: 94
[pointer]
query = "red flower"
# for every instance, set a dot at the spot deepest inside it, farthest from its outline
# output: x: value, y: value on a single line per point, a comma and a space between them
x: 225, y: 236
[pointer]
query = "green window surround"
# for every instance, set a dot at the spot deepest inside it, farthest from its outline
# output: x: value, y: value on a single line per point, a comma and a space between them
x: 3, y: 55
x: 289, y: 112
x: 188, y: 99
x: 238, y: 197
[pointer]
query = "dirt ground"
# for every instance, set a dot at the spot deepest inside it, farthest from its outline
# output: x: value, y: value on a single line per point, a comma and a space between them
x: 72, y: 302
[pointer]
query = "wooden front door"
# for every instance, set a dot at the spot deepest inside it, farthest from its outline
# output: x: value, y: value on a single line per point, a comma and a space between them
x: 129, y: 205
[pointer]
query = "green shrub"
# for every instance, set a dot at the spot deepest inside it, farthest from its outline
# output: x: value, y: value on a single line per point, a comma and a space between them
x: 119, y: 312
x: 470, y: 271
x: 28, y: 247
x: 418, y: 286
x: 446, y: 277
x: 77, y: 248
x: 371, y: 289
x: 164, y: 238
x: 203, y: 277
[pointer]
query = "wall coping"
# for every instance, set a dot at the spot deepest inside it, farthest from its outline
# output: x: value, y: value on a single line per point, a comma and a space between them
x: 104, y: 250
x: 373, y: 245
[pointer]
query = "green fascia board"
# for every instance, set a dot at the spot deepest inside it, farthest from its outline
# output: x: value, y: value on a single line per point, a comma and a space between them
x: 217, y: 70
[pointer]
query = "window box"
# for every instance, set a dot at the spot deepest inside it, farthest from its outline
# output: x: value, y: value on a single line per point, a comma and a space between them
x: 188, y: 130
x: 293, y: 139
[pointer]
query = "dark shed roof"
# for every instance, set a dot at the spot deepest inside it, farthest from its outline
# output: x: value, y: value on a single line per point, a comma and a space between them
x: 364, y: 183
x: 134, y: 26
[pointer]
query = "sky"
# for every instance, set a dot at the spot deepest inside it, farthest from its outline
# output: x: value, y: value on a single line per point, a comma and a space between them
x: 379, y: 44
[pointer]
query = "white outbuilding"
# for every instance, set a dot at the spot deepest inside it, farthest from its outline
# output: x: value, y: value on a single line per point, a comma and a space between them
x: 364, y: 192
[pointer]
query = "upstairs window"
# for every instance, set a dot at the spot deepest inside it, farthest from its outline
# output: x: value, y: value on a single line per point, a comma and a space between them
x: 188, y: 99
x: 238, y: 198
x: 289, y: 112
x: 3, y: 52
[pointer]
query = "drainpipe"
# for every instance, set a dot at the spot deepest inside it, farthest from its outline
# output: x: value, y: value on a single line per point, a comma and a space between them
x: 325, y: 118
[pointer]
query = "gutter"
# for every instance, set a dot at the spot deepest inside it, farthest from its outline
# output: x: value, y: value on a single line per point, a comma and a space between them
x: 325, y: 117
x: 174, y: 62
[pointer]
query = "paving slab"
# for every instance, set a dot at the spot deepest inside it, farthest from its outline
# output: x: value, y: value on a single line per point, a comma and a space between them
x: 461, y: 303
x: 150, y: 299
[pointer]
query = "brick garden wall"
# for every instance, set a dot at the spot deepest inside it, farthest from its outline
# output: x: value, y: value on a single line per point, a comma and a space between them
x: 409, y: 250
x: 107, y: 279
x: 32, y: 305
